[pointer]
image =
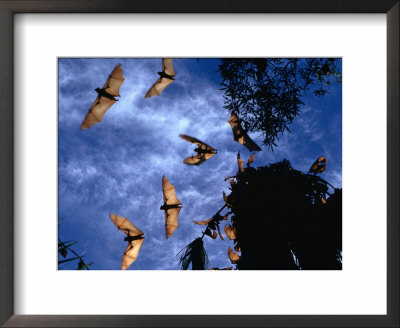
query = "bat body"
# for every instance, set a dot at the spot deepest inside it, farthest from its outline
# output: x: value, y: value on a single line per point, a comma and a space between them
x: 204, y: 151
x: 166, y: 78
x: 240, y: 135
x: 105, y: 98
x: 171, y: 206
x: 134, y: 238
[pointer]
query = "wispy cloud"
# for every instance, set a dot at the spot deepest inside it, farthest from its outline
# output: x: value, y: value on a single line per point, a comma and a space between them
x: 116, y: 166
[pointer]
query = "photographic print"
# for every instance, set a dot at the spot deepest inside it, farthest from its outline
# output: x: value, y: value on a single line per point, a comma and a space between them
x: 200, y: 164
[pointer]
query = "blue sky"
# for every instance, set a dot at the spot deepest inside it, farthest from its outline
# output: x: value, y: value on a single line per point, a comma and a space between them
x: 117, y: 166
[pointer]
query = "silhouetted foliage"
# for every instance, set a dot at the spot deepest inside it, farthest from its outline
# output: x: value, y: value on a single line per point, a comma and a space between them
x: 194, y: 254
x: 280, y: 219
x: 285, y: 219
x: 266, y: 93
x: 64, y: 250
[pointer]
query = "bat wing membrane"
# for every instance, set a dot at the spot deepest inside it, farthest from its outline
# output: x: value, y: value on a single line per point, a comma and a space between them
x: 114, y: 81
x: 234, y: 257
x: 125, y: 225
x: 97, y: 111
x: 249, y: 143
x: 169, y: 192
x: 208, y: 156
x: 205, y: 222
x: 230, y: 232
x: 241, y: 135
x: 171, y: 220
x: 168, y: 66
x: 194, y: 160
x: 131, y: 253
x: 158, y: 87
x: 196, y: 141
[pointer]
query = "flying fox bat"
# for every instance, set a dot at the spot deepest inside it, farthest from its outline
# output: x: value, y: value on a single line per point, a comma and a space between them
x: 230, y: 232
x: 171, y: 206
x: 213, y: 224
x: 166, y: 78
x: 105, y: 99
x: 204, y: 151
x: 240, y: 135
x: 134, y: 238
x: 234, y: 257
x: 318, y: 166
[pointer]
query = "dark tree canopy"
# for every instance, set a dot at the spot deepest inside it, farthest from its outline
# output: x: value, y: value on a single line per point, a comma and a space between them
x: 280, y: 219
x: 266, y: 93
x: 279, y: 212
x: 194, y: 254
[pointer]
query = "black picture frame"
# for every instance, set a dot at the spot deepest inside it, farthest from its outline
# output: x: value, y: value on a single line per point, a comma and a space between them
x: 7, y: 10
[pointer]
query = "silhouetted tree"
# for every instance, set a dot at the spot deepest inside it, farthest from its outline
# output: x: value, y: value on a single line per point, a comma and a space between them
x: 281, y: 219
x: 285, y: 219
x: 266, y: 93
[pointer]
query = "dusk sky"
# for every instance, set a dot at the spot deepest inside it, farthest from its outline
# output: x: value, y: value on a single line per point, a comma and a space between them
x: 116, y: 166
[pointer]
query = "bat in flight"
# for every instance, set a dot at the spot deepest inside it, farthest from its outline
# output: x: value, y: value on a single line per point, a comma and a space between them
x: 171, y: 206
x: 105, y: 99
x: 204, y: 151
x: 318, y: 166
x: 166, y: 78
x: 240, y: 135
x: 134, y: 237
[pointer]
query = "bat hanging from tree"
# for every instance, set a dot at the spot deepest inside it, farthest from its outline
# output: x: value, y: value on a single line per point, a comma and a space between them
x: 234, y: 257
x: 204, y: 151
x: 171, y: 206
x: 134, y: 238
x: 240, y: 135
x: 318, y: 166
x: 105, y: 99
x: 166, y: 78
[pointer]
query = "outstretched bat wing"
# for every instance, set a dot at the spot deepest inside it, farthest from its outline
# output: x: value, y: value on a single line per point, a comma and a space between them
x: 97, y: 111
x: 171, y: 220
x: 168, y: 66
x: 205, y: 222
x: 169, y: 192
x: 241, y: 135
x: 249, y: 143
x: 131, y: 253
x: 158, y: 87
x: 102, y: 104
x: 196, y: 141
x: 125, y: 225
x: 114, y: 81
x: 197, y: 160
x: 194, y: 160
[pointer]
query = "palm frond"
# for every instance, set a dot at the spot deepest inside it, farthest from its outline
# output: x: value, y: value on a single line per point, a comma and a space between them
x: 194, y: 254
